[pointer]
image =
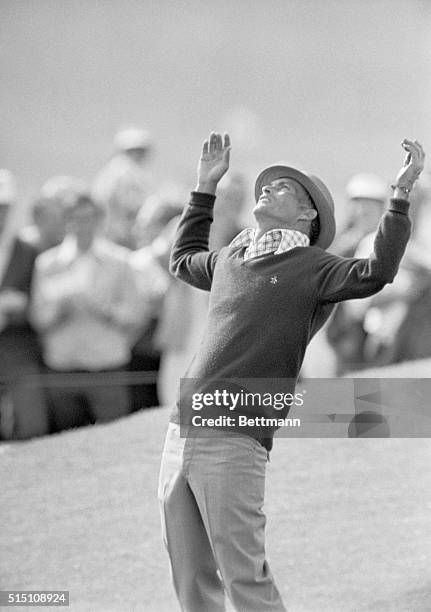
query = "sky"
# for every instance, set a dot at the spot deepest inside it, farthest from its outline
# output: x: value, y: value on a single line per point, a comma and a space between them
x: 331, y: 86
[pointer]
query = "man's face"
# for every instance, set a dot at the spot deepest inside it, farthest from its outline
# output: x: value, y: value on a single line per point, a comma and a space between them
x: 83, y: 222
x: 139, y: 156
x: 283, y: 201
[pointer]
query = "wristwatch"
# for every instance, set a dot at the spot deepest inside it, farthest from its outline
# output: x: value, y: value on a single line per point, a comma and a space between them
x: 402, y: 188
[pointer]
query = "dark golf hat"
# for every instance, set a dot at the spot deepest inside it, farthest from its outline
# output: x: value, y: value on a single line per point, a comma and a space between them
x: 317, y: 191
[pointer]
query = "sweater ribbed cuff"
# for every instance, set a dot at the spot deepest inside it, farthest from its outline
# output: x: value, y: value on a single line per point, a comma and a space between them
x: 398, y: 205
x: 198, y: 198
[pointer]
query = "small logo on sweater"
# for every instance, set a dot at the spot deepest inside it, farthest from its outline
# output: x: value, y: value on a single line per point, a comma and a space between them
x: 274, y: 279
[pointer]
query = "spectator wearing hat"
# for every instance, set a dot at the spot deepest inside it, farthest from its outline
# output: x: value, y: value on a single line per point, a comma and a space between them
x: 123, y: 184
x: 366, y: 196
x: 271, y: 290
x: 397, y: 321
x: 150, y: 261
x: 85, y: 306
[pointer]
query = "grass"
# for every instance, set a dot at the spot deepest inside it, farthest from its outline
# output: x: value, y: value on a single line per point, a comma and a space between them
x: 348, y: 520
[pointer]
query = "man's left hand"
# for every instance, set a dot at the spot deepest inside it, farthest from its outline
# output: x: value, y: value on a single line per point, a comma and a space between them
x: 413, y: 165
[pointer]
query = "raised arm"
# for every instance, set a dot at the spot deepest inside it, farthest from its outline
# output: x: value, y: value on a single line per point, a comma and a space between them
x: 343, y: 278
x: 191, y: 261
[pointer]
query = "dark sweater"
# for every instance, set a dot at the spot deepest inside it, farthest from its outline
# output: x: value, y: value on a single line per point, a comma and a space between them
x: 263, y: 312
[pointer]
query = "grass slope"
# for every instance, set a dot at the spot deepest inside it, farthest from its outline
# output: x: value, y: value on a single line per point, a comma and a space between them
x: 348, y: 520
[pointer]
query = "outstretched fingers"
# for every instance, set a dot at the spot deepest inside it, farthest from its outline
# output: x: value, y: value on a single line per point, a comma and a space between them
x: 419, y: 151
x: 216, y: 143
x: 213, y: 142
x: 219, y: 142
x: 226, y: 148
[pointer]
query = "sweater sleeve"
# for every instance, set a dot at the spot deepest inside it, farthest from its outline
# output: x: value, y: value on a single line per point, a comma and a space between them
x: 190, y: 260
x: 341, y: 278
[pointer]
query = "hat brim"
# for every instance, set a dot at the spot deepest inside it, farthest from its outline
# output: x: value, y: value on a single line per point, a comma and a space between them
x: 317, y: 191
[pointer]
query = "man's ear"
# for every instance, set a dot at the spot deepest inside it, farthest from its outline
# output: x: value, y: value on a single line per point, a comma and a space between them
x: 308, y: 215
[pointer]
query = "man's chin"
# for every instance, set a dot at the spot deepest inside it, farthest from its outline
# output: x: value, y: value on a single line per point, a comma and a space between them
x: 261, y: 205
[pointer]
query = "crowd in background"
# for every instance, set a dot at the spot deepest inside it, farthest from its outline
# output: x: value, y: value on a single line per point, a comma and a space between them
x: 394, y: 325
x: 92, y: 325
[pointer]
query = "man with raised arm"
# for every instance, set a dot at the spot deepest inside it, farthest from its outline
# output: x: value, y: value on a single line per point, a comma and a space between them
x: 271, y: 289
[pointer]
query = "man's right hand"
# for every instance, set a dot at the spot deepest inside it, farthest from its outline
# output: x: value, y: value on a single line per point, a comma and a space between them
x: 213, y: 163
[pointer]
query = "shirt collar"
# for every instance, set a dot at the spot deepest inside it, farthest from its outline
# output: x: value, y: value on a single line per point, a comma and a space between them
x: 275, y: 241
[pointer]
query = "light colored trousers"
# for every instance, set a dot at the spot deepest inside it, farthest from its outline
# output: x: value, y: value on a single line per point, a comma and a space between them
x: 211, y: 493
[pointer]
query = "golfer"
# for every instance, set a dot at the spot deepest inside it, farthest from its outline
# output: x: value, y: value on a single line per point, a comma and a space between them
x: 271, y: 289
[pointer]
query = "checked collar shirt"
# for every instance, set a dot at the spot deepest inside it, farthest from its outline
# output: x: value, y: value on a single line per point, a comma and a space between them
x: 274, y: 241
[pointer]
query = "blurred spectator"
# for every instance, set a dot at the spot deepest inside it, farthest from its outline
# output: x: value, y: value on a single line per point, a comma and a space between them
x: 152, y: 277
x: 152, y: 233
x: 366, y: 197
x: 85, y: 306
x: 48, y: 228
x: 48, y: 211
x: 179, y: 334
x: 123, y: 184
x: 22, y: 407
x: 367, y: 194
x: 181, y: 324
x: 156, y: 212
x: 397, y: 321
x: 62, y: 188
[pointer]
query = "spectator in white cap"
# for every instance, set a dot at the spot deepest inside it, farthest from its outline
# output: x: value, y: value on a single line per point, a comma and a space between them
x: 135, y: 142
x: 367, y: 195
x: 397, y: 321
x: 123, y: 184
